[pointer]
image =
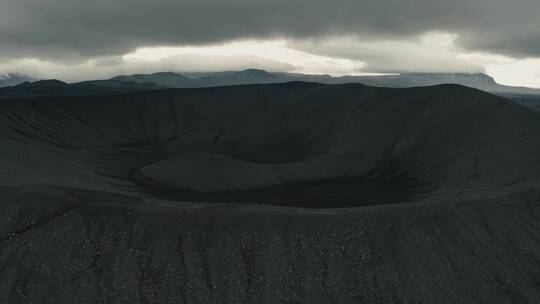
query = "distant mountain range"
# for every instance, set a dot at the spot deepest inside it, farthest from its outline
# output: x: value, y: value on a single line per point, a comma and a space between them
x: 146, y: 82
x: 14, y: 79
x: 174, y: 80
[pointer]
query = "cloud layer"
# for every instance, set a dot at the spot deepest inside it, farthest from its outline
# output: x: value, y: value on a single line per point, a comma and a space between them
x: 430, y: 53
x: 70, y: 29
x: 78, y: 39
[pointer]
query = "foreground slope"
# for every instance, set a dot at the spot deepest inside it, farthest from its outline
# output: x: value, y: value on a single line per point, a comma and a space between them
x: 214, y: 196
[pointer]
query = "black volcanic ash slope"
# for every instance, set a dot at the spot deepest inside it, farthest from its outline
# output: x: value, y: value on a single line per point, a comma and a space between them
x: 156, y: 197
x: 437, y: 140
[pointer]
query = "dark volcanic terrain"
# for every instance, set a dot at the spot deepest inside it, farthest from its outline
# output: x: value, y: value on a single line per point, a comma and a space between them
x: 272, y: 193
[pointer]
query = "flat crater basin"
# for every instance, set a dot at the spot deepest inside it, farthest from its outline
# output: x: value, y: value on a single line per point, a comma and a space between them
x: 329, y: 193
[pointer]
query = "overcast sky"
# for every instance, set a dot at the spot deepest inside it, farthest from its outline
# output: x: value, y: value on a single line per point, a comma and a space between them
x: 80, y: 39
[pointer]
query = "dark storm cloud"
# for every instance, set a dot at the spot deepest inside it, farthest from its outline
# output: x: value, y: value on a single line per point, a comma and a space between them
x: 67, y: 29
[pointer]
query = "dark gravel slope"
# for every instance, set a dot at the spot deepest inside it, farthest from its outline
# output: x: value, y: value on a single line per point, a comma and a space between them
x: 282, y: 193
